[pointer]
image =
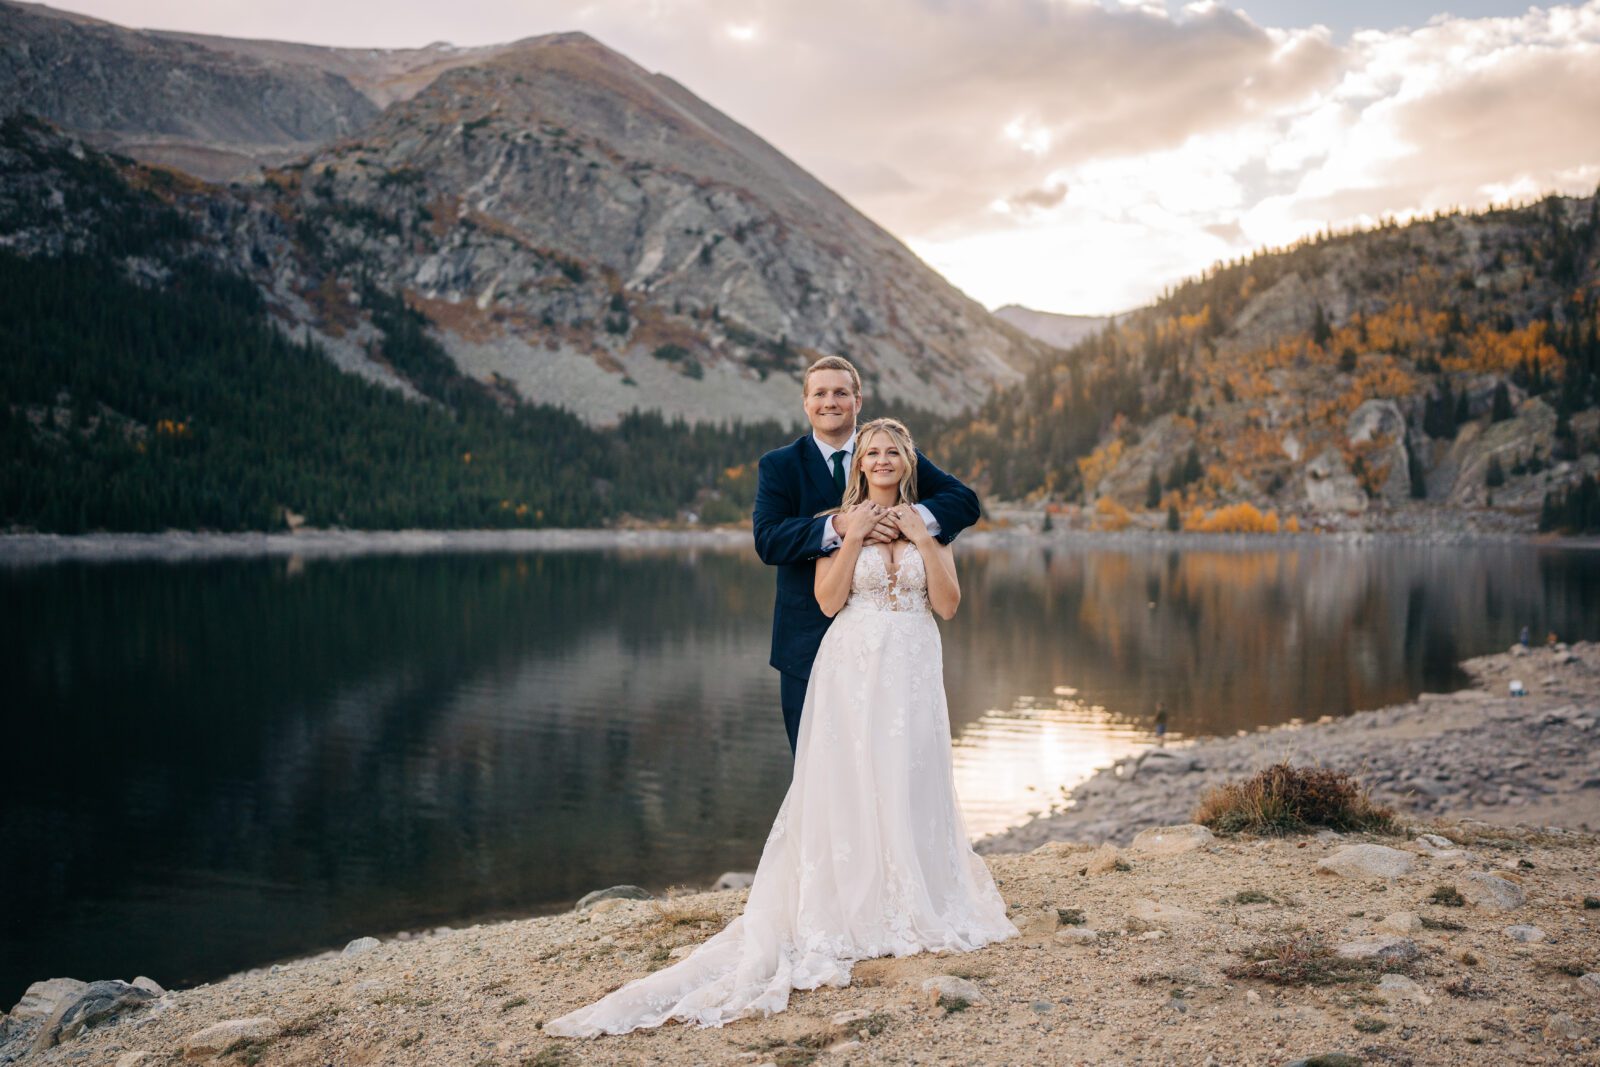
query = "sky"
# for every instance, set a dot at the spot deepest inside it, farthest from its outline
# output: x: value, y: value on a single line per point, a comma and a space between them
x: 1076, y: 156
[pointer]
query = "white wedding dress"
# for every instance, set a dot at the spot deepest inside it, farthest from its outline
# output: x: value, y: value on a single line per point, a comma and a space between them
x: 868, y: 855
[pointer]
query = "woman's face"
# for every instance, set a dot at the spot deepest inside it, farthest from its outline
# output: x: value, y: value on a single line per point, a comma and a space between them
x: 881, y: 460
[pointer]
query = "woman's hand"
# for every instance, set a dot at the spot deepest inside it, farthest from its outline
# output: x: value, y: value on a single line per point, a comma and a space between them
x: 859, y: 520
x: 912, y: 527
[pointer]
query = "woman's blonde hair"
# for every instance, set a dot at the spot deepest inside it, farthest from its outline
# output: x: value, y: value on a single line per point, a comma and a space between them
x: 855, y: 489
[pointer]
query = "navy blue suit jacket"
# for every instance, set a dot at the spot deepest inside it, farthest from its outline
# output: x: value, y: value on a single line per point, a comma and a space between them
x: 793, y: 484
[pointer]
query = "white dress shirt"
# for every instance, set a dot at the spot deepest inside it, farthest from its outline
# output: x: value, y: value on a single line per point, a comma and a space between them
x: 832, y: 538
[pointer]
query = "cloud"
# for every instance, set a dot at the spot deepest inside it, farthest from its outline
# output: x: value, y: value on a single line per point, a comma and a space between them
x: 1183, y: 135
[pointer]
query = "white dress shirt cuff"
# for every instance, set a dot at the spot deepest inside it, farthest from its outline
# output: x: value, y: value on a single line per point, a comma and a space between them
x: 831, y: 538
x: 927, y: 517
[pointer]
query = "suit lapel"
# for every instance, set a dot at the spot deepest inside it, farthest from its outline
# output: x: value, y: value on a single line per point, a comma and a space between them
x: 817, y: 468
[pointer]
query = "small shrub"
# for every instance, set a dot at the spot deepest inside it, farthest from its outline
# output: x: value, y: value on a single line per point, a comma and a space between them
x: 1283, y: 800
x: 1251, y: 896
x: 1591, y: 903
x: 1306, y: 959
x: 1430, y: 923
x: 1070, y: 916
x: 1447, y: 896
x: 1368, y: 1025
x: 1465, y: 988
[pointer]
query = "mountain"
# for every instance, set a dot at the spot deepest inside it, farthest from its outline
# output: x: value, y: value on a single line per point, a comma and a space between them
x: 1059, y: 331
x: 577, y: 230
x: 1452, y: 362
x: 167, y: 100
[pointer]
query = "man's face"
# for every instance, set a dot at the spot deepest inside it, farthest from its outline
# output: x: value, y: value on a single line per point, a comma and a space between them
x: 832, y: 403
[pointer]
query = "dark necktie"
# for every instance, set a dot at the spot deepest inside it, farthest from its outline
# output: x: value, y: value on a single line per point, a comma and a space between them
x: 838, y: 471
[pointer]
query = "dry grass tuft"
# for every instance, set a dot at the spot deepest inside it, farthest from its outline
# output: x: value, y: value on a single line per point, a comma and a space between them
x: 1306, y: 959
x: 1283, y: 799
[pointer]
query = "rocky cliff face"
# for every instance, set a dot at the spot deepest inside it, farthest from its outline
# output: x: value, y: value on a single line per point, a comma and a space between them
x: 588, y: 232
x: 168, y: 100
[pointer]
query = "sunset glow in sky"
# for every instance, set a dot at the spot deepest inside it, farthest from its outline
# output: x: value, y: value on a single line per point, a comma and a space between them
x: 1077, y: 155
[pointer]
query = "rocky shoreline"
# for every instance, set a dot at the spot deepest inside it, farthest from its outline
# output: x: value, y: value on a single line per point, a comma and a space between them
x: 1459, y: 940
x: 1479, y: 753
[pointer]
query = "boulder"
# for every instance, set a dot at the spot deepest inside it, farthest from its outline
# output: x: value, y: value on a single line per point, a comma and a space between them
x: 219, y: 1036
x: 1165, y: 761
x: 360, y: 946
x: 616, y: 892
x: 1381, y: 420
x: 1171, y: 840
x: 97, y: 1002
x: 733, y: 880
x: 1329, y: 485
x: 41, y: 999
x: 1524, y: 933
x: 1590, y: 984
x: 1368, y: 861
x: 1384, y: 947
x: 1491, y: 892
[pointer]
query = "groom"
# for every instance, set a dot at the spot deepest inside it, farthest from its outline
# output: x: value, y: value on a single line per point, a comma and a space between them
x: 799, y: 480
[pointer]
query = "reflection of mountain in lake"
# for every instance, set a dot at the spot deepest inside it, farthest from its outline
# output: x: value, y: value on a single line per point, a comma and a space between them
x: 277, y: 757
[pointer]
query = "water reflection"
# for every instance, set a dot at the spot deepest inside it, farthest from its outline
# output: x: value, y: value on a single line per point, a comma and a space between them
x: 276, y: 756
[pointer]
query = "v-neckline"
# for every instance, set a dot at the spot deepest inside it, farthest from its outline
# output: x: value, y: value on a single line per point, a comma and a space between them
x: 890, y: 567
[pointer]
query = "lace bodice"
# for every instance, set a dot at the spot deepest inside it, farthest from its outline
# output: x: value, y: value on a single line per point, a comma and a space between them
x: 873, y: 586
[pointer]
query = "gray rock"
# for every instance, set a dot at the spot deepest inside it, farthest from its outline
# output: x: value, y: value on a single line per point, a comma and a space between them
x: 1379, y: 947
x: 1435, y: 842
x: 948, y: 985
x: 1171, y: 840
x: 1076, y: 935
x: 359, y: 946
x: 1397, y: 986
x: 616, y: 892
x: 1491, y: 892
x: 1590, y: 984
x: 1401, y: 922
x: 218, y: 1036
x: 1368, y: 861
x: 149, y: 985
x: 1562, y: 1027
x: 1524, y: 933
x: 1328, y: 1059
x: 97, y: 1002
x: 41, y: 999
x: 734, y: 880
x: 1165, y: 761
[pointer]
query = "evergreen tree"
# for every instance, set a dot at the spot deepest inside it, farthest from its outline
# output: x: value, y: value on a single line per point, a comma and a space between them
x: 1500, y: 409
x: 1494, y: 476
x: 1152, y: 491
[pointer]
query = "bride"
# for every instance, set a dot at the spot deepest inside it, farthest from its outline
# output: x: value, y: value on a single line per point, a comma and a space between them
x: 869, y: 854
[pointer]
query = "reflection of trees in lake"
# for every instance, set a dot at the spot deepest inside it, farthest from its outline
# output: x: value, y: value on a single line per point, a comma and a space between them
x: 1235, y: 639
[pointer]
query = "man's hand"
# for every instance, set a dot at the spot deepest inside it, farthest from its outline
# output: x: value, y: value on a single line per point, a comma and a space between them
x: 887, y: 530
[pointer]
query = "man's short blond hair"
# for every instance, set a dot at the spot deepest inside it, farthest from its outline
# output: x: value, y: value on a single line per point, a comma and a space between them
x: 831, y: 363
